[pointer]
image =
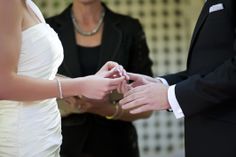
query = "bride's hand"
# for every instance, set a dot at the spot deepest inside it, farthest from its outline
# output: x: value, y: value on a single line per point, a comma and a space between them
x: 97, y: 87
x: 107, y: 69
x: 112, y: 70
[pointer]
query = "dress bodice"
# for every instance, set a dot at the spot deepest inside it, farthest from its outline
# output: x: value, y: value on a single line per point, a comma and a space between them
x: 41, y: 51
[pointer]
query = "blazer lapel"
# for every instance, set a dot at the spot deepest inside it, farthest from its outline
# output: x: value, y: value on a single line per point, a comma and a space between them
x: 67, y: 36
x: 111, y: 39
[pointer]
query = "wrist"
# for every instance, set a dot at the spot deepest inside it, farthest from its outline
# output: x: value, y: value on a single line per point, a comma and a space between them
x: 78, y: 86
x: 166, y: 105
x: 70, y: 87
x: 59, y: 88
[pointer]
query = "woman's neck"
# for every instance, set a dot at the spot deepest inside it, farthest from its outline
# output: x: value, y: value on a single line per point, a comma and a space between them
x: 87, y: 14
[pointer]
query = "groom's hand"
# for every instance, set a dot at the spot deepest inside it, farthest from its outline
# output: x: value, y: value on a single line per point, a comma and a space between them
x: 148, y: 97
x: 139, y: 79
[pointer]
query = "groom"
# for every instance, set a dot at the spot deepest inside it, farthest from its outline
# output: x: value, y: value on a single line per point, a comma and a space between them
x: 205, y: 93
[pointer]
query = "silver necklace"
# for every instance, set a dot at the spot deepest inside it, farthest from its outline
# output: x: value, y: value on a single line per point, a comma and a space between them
x: 94, y: 31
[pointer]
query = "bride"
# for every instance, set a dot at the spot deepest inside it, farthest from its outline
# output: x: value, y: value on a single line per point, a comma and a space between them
x: 30, y: 54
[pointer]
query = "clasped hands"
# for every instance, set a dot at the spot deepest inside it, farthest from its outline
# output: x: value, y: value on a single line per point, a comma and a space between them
x: 143, y: 94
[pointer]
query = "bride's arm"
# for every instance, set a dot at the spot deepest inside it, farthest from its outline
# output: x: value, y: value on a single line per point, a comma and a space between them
x: 22, y: 88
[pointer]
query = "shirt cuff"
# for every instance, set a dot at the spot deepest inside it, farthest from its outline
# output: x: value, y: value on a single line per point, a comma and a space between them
x: 163, y: 81
x: 174, y: 103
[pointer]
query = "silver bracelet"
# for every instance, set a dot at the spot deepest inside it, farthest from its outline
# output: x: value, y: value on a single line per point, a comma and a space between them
x: 59, y: 88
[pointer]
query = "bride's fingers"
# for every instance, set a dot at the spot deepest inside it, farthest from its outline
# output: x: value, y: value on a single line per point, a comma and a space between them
x: 117, y: 71
x: 123, y: 72
x: 111, y: 65
x: 116, y: 81
x: 120, y: 87
x: 126, y: 75
x: 113, y: 73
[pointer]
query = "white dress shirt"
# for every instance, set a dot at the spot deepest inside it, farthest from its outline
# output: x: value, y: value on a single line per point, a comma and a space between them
x: 178, y: 112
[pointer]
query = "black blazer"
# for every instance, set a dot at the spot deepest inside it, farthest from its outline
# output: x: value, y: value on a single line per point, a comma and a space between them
x: 123, y: 41
x: 206, y: 91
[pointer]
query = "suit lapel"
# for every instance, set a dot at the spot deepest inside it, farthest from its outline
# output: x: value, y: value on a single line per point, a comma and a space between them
x: 67, y: 36
x: 200, y: 22
x: 111, y: 38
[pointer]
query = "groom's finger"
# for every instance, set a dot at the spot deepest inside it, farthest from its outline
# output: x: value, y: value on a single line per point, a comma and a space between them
x: 138, y: 89
x: 131, y: 95
x: 141, y: 109
x: 133, y: 76
x: 133, y: 103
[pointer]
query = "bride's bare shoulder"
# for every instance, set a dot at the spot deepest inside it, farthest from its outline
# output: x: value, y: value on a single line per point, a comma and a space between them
x: 11, y: 4
x: 10, y: 9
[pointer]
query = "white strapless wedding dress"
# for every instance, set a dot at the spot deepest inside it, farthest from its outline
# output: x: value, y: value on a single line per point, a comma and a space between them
x: 33, y: 129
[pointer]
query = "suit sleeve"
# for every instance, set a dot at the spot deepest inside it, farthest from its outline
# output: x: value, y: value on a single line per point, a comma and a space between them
x: 201, y: 93
x: 175, y: 78
x: 211, y: 90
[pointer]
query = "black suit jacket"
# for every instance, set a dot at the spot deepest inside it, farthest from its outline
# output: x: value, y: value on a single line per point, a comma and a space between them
x: 123, y: 41
x: 206, y: 91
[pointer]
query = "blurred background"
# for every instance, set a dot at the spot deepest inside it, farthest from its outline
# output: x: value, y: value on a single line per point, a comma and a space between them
x: 168, y: 25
